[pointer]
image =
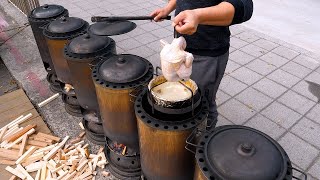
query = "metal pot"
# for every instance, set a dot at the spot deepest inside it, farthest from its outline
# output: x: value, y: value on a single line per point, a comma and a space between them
x: 161, y: 101
x: 57, y: 34
x: 162, y: 141
x: 38, y: 18
x: 239, y: 152
x: 82, y: 53
x: 115, y: 79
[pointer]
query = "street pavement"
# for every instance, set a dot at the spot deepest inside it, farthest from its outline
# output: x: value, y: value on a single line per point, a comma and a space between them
x: 266, y: 83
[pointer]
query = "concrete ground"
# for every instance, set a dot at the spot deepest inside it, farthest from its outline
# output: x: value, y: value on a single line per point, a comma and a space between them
x: 293, y: 21
x: 266, y: 84
x: 7, y: 83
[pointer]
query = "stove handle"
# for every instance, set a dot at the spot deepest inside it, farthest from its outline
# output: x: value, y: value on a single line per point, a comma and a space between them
x: 304, y: 174
x: 190, y: 143
x: 157, y: 71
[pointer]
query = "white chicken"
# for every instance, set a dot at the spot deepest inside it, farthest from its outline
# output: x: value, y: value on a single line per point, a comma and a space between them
x: 176, y: 63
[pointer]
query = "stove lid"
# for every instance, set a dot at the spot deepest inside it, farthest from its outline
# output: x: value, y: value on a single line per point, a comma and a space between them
x: 88, y: 44
x: 238, y: 152
x: 111, y: 28
x: 123, y: 68
x: 47, y: 11
x: 65, y: 25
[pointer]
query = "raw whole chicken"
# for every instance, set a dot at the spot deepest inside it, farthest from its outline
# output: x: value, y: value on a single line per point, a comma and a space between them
x: 176, y: 63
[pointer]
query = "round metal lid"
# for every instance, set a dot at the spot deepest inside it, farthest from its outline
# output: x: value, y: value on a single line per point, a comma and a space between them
x: 243, y: 153
x: 88, y: 44
x: 112, y: 28
x: 47, y: 11
x: 65, y: 25
x: 123, y: 68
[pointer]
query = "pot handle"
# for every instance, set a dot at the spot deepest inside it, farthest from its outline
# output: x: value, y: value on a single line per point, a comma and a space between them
x: 157, y: 71
x: 189, y: 142
x: 304, y: 174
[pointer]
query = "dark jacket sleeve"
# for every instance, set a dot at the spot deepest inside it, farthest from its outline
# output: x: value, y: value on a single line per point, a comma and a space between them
x: 243, y: 10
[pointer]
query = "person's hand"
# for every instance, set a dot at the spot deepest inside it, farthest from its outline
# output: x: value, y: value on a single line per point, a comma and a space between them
x: 160, y: 13
x: 186, y: 22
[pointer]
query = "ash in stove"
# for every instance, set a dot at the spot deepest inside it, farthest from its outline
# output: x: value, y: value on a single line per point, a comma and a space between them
x: 121, y: 149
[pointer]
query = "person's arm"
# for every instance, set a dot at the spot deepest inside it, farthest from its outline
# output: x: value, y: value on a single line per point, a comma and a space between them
x: 163, y: 12
x: 226, y: 13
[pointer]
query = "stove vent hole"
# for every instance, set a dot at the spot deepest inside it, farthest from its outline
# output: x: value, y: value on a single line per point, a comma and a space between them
x: 148, y: 121
x: 200, y: 151
x: 175, y: 127
x: 202, y: 143
x: 185, y: 126
x: 201, y: 160
x: 145, y: 117
x: 132, y: 162
x: 193, y: 122
x: 212, y: 178
x: 101, y: 82
x: 166, y: 127
x: 206, y: 137
x: 205, y: 169
x: 139, y: 111
x: 94, y: 75
x: 157, y: 125
x: 118, y: 159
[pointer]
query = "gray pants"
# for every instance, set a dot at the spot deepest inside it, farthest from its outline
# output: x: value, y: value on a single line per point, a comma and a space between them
x: 207, y: 72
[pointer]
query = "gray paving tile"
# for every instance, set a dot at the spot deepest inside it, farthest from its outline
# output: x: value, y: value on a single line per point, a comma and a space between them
x: 308, y: 130
x: 303, y: 89
x: 146, y: 38
x: 169, y: 39
x: 221, y: 97
x: 161, y: 33
x: 155, y: 46
x: 299, y: 152
x: 150, y: 26
x: 236, y: 112
x: 87, y: 6
x: 314, y: 114
x: 274, y: 59
x: 146, y: 5
x: 285, y: 52
x: 246, y: 75
x: 296, y: 102
x: 231, y: 49
x: 231, y: 66
x: 136, y: 32
x: 265, y: 44
x: 119, y: 50
x: 241, y: 57
x: 128, y: 44
x: 237, y: 43
x: 231, y: 86
x: 96, y: 11
x: 314, y: 77
x: 281, y: 115
x: 318, y: 70
x: 283, y: 78
x: 119, y: 38
x: 166, y: 23
x: 307, y: 61
x: 223, y: 121
x: 265, y: 125
x: 261, y: 67
x: 254, y: 99
x: 236, y: 29
x: 247, y: 36
x: 296, y: 69
x: 315, y: 169
x: 254, y: 50
x: 142, y: 51
x: 118, y: 11
x: 155, y: 60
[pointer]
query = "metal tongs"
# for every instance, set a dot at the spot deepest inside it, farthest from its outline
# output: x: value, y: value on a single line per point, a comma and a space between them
x: 123, y: 18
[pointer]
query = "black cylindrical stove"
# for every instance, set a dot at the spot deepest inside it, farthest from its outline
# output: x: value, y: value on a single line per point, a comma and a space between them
x: 38, y: 18
x: 163, y: 135
x: 82, y: 53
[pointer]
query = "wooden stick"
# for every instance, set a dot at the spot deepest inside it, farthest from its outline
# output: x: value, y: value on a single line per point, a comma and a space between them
x: 47, y: 136
x: 34, y: 166
x: 10, y: 132
x: 70, y: 176
x: 23, y: 119
x: 24, y: 172
x: 38, y: 175
x: 43, y: 172
x: 31, y: 131
x: 38, y: 143
x: 45, y: 102
x: 26, y: 155
x: 13, y: 177
x: 48, y: 148
x: 20, y: 133
x: 23, y: 144
x: 15, y: 172
x: 55, y: 149
x: 81, y: 134
x: 3, y: 132
x: 81, y: 125
x: 12, y: 122
x: 84, y: 175
x: 9, y: 154
x: 42, y: 139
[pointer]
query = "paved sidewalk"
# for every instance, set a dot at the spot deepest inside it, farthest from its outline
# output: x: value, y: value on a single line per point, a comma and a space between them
x: 265, y: 85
